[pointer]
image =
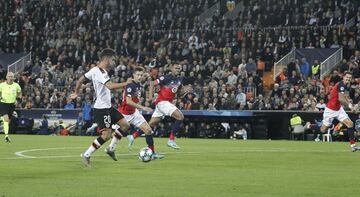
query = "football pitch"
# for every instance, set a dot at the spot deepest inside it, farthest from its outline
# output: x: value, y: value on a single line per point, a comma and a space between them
x: 51, y: 166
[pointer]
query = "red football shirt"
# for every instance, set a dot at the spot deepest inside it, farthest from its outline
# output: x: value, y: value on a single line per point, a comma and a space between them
x: 334, y: 102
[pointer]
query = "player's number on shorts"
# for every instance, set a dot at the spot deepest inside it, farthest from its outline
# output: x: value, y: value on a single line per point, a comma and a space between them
x: 107, y: 121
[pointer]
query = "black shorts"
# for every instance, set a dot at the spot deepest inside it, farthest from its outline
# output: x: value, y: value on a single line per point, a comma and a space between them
x: 106, y: 117
x: 7, y: 108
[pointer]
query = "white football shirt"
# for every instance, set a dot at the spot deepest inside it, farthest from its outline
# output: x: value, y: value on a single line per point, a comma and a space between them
x: 99, y: 77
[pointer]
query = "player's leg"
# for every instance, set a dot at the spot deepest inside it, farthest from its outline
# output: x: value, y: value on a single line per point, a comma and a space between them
x: 136, y: 134
x: 324, y: 128
x: 103, y: 119
x: 10, y: 108
x: 154, y: 121
x: 140, y: 122
x: 351, y: 133
x: 150, y: 139
x: 179, y: 118
x: 137, y: 120
x: 344, y: 118
x: 328, y: 117
x: 97, y: 143
x: 6, y: 121
x: 120, y: 120
x: 116, y: 137
x: 131, y: 138
x: 121, y: 131
x: 130, y: 119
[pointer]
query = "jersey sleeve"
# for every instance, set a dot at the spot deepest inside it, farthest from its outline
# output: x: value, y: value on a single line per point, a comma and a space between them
x: 100, y: 77
x: 18, y: 88
x: 342, y: 88
x: 129, y: 90
x: 162, y: 80
x: 88, y: 75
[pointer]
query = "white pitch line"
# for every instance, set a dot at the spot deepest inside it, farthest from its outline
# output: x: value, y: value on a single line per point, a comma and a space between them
x: 21, y: 154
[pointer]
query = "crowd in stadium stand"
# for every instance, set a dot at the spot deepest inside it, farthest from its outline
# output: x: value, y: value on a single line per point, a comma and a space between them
x: 222, y: 60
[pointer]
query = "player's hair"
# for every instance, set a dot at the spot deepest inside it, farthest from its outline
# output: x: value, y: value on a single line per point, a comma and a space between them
x: 347, y: 73
x: 139, y: 69
x: 106, y: 53
x: 175, y: 63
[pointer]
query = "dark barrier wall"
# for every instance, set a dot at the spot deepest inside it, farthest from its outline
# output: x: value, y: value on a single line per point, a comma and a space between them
x: 314, y: 54
x: 265, y: 124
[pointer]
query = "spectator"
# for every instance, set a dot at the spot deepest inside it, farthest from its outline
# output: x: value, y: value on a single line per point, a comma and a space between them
x: 304, y: 68
x: 44, y: 127
x: 357, y: 124
x: 241, y: 132
x: 86, y: 110
x: 297, y: 125
x: 321, y: 105
x: 196, y: 104
x: 241, y: 98
x: 69, y: 104
x: 315, y: 70
x: 79, y: 125
x: 251, y: 66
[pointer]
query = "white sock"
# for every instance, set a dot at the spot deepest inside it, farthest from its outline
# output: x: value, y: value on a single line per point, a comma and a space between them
x: 91, y: 149
x: 114, y: 142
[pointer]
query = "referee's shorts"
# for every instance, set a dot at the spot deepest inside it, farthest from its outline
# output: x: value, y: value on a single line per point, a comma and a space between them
x: 7, y: 108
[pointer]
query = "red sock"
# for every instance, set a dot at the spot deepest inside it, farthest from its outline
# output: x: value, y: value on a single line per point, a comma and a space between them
x: 352, y: 141
x: 172, y: 136
x: 135, y: 134
x: 152, y: 148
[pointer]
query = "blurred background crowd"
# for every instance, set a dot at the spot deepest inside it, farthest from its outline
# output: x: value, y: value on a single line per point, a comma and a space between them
x: 223, y: 60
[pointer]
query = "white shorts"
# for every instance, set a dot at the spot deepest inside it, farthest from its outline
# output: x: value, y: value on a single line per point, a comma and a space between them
x: 164, y: 108
x: 135, y: 119
x: 329, y: 115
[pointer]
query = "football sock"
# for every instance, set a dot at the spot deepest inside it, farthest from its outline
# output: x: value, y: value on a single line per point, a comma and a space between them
x: 351, y: 136
x: 6, y: 128
x: 94, y: 146
x: 114, y: 141
x: 137, y: 133
x: 150, y: 142
x: 175, y: 129
x: 172, y: 136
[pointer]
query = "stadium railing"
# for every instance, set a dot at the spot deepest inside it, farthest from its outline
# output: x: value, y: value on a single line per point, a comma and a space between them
x: 20, y: 64
x: 350, y: 23
x: 327, y: 65
x: 280, y: 65
x: 207, y: 15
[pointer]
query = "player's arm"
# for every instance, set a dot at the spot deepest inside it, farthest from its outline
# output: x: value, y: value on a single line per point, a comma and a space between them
x: 112, y: 85
x: 78, y: 86
x: 152, y: 87
x: 0, y: 91
x: 344, y: 101
x: 18, y: 91
x: 130, y: 102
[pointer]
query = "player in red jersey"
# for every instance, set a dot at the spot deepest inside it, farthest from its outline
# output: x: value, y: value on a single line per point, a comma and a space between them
x: 129, y: 109
x: 334, y: 109
x: 169, y: 87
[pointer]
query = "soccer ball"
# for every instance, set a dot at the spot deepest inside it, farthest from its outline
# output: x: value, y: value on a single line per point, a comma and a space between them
x: 145, y: 154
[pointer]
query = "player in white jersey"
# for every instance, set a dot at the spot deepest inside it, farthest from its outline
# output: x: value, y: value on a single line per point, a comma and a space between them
x: 104, y: 114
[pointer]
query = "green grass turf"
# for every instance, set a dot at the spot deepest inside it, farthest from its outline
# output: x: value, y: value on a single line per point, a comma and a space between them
x: 202, y: 167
